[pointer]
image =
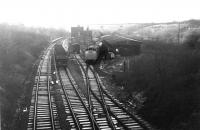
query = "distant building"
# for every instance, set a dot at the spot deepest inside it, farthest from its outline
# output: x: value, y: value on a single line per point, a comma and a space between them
x: 77, y: 34
x: 81, y: 36
x: 87, y: 36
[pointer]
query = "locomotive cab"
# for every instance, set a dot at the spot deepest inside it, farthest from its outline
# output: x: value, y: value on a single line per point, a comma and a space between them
x: 91, y: 54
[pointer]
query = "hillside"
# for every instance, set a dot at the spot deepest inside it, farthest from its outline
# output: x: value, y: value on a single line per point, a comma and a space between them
x: 172, y: 32
x: 162, y: 83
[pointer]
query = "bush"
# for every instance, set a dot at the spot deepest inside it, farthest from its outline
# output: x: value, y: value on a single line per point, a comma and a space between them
x: 192, y: 39
x: 19, y: 49
x: 168, y: 75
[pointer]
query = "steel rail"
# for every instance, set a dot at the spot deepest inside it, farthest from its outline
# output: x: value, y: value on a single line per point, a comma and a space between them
x: 103, y: 100
x: 144, y: 126
x: 38, y: 82
x: 36, y: 95
x: 101, y: 94
x: 69, y: 103
x: 103, y: 104
x: 94, y: 124
x: 49, y: 94
x: 141, y: 123
x: 88, y: 93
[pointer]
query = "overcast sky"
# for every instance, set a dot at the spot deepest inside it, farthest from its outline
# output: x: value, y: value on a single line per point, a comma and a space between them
x: 65, y: 13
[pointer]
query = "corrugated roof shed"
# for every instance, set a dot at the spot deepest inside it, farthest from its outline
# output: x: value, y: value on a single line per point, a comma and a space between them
x: 126, y: 46
x: 118, y: 39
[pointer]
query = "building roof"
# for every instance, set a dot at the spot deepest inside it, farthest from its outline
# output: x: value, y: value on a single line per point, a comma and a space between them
x: 126, y: 46
x: 118, y: 39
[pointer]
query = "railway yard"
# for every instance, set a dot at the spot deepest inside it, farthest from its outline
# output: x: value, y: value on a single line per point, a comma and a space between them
x: 99, y: 65
x: 59, y: 101
x: 93, y: 79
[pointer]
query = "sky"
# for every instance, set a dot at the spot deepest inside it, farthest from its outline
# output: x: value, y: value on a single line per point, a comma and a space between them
x: 66, y: 13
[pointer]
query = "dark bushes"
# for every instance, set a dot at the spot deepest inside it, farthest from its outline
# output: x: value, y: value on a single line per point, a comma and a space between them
x: 168, y: 75
x: 19, y: 49
x: 192, y: 39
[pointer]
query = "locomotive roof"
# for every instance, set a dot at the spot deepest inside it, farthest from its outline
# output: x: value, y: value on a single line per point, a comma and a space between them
x: 93, y: 46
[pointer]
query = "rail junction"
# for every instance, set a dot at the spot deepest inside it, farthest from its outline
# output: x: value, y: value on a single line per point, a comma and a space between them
x: 58, y: 102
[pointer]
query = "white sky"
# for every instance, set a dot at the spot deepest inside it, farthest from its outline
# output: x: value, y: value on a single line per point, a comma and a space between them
x: 65, y: 13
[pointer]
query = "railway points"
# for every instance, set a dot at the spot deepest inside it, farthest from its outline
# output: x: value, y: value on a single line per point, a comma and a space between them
x: 97, y: 110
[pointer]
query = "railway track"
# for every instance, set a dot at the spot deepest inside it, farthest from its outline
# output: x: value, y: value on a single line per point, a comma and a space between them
x: 96, y: 110
x: 82, y: 114
x: 75, y: 104
x: 119, y: 116
x: 43, y: 112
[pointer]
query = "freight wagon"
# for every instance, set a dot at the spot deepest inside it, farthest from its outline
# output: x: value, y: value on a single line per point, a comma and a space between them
x: 61, y: 56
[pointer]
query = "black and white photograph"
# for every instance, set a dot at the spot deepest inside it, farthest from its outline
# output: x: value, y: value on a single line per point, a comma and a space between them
x: 99, y: 65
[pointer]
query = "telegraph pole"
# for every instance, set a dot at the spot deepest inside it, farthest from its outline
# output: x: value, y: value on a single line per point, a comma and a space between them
x: 179, y: 32
x: 0, y: 116
x: 124, y: 64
